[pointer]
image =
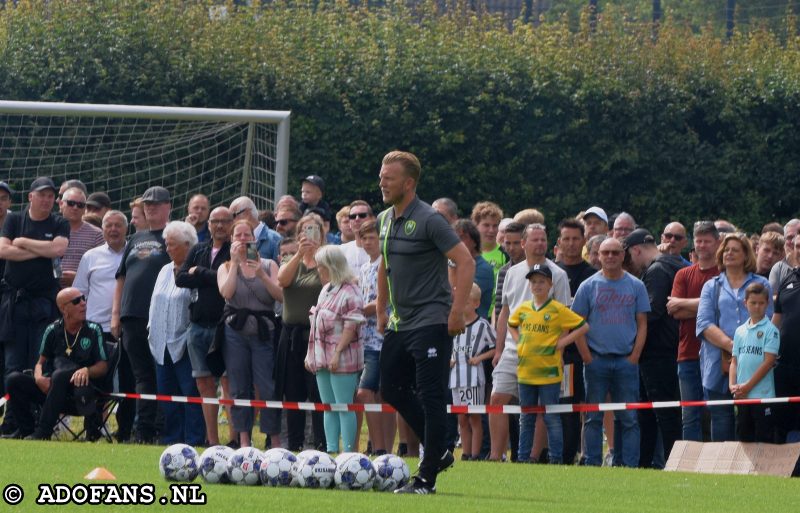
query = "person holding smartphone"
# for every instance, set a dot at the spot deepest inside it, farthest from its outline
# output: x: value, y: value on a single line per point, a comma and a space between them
x: 250, y: 287
x: 301, y: 283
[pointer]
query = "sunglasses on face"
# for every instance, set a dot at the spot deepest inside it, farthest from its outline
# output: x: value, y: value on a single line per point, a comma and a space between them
x: 611, y: 252
x: 360, y: 215
x: 73, y: 203
x: 284, y: 222
x: 77, y: 300
x: 675, y: 236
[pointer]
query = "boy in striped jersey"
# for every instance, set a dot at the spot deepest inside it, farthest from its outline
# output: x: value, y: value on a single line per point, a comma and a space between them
x: 542, y: 328
x: 467, y: 378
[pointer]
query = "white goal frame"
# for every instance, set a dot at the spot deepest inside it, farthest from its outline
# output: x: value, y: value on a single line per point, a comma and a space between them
x: 252, y: 117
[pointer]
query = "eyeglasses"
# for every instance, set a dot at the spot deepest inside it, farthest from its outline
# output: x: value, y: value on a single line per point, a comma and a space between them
x: 239, y: 212
x: 73, y: 203
x: 611, y: 252
x: 284, y: 222
x: 77, y: 300
x: 220, y: 221
x: 360, y: 215
x: 675, y: 236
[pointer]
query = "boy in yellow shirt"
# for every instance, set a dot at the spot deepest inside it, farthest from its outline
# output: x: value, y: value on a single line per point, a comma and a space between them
x: 540, y: 328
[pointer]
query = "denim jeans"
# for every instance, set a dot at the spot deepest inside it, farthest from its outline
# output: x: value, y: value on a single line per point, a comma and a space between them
x: 691, y: 385
x: 183, y: 423
x: 614, y: 374
x: 722, y: 417
x: 533, y: 395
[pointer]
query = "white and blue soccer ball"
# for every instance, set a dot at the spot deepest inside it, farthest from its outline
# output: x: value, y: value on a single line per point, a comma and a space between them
x: 276, y: 468
x: 244, y: 466
x: 213, y: 464
x: 314, y: 469
x: 391, y: 472
x: 178, y: 463
x: 354, y: 471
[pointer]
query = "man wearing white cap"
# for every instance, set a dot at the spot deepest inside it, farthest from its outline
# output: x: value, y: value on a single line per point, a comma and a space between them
x: 595, y: 222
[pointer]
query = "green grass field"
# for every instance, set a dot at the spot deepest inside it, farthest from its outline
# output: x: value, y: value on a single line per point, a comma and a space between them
x: 469, y: 486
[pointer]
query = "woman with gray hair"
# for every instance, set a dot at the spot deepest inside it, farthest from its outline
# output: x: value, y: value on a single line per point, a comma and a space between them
x: 168, y: 327
x: 335, y: 353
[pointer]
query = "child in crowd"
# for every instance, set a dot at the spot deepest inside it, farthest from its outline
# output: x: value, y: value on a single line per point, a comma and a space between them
x: 467, y: 377
x: 755, y: 349
x: 381, y: 426
x: 539, y: 326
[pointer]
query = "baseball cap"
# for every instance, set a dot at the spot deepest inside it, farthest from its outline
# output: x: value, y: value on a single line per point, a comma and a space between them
x: 542, y: 269
x: 42, y: 183
x: 99, y: 200
x: 4, y: 186
x: 637, y: 237
x: 315, y: 180
x: 599, y: 212
x: 156, y: 194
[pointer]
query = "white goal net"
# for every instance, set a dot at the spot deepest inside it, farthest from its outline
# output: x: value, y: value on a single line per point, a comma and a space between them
x: 123, y: 150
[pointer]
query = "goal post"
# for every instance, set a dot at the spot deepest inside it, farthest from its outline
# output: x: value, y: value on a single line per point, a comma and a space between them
x: 124, y: 149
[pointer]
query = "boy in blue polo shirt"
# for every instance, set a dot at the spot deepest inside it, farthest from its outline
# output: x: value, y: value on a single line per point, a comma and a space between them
x: 755, y: 349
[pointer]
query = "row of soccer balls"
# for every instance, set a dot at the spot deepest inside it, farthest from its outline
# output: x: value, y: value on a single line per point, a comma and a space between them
x: 279, y: 467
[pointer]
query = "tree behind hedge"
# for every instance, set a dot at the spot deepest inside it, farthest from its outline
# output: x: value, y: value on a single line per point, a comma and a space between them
x: 685, y: 127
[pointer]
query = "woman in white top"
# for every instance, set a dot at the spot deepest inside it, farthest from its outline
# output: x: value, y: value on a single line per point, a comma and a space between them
x: 168, y: 326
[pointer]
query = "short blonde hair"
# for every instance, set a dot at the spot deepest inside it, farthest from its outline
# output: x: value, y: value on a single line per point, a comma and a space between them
x: 408, y: 161
x: 749, y: 255
x: 484, y: 209
x: 529, y: 216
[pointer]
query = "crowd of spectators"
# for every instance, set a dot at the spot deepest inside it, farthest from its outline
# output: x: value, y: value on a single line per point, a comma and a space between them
x: 286, y: 305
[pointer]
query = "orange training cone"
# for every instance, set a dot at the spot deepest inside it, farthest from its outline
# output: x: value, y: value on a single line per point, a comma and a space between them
x: 100, y: 474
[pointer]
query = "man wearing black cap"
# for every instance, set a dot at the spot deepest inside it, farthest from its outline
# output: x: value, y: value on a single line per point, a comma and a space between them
x: 31, y: 243
x: 98, y: 203
x: 658, y: 365
x: 143, y: 259
x: 71, y: 356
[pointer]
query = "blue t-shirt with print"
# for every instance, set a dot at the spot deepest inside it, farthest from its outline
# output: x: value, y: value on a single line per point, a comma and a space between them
x: 610, y: 308
x: 750, y: 342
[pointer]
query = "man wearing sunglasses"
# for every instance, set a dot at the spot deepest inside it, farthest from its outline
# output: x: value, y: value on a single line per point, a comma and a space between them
x: 286, y: 219
x: 360, y: 212
x: 71, y: 357
x: 615, y: 304
x: 82, y: 235
x: 674, y: 240
x: 31, y: 242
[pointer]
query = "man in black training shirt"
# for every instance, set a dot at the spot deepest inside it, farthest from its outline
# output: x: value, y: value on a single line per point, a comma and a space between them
x: 32, y: 243
x: 416, y: 242
x: 71, y: 357
x: 144, y: 257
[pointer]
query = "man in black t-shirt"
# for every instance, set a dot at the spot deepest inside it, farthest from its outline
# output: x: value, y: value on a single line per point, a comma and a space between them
x: 32, y: 243
x: 71, y: 358
x: 143, y: 259
x: 571, y: 241
x: 787, y: 373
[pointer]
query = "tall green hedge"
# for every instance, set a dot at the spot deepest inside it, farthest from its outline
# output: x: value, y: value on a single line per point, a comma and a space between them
x: 684, y: 127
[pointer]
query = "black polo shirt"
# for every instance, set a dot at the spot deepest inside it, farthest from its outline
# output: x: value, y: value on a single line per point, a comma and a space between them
x: 787, y: 303
x: 414, y: 247
x: 86, y: 347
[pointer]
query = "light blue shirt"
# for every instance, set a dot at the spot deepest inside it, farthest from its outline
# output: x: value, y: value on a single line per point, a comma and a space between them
x: 732, y: 314
x: 268, y: 242
x: 610, y: 308
x: 750, y: 342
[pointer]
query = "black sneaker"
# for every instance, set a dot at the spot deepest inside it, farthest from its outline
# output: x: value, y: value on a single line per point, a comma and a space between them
x: 418, y: 486
x: 446, y: 461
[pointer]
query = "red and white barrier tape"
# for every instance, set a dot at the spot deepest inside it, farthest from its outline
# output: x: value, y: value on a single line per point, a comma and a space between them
x: 507, y: 409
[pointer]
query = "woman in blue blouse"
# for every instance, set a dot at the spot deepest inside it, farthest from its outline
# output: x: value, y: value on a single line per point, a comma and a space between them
x: 720, y: 312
